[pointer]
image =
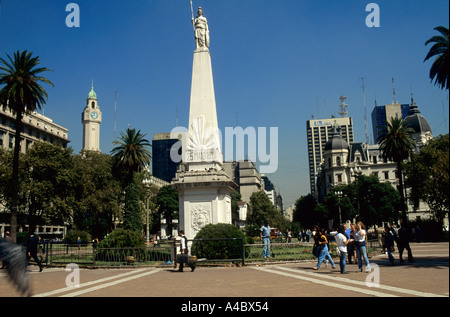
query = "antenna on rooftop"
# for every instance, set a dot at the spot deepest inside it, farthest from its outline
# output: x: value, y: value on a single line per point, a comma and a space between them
x: 343, y: 112
x: 365, y: 111
x: 393, y: 90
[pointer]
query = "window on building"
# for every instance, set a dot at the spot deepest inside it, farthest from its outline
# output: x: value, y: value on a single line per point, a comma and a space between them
x: 338, y: 161
x: 386, y: 175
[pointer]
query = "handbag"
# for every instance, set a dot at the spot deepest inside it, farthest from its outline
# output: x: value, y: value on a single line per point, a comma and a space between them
x: 317, y: 249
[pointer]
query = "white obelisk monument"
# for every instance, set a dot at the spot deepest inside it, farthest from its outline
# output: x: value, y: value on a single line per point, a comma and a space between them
x: 204, y: 188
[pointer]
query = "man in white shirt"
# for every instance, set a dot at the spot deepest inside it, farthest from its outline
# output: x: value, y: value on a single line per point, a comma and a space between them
x: 184, y: 251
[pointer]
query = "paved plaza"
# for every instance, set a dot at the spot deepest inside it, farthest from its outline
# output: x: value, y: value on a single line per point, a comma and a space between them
x: 427, y: 277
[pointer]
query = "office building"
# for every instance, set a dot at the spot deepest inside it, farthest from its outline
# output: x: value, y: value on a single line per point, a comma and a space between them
x: 318, y: 134
x: 163, y: 166
x: 381, y: 114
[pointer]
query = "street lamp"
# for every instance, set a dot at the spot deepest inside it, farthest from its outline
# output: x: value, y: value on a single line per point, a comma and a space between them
x: 147, y: 183
x: 339, y: 194
x: 355, y: 173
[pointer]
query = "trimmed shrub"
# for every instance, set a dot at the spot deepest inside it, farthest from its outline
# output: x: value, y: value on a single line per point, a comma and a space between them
x: 218, y: 249
x: 122, y: 238
x: 72, y: 236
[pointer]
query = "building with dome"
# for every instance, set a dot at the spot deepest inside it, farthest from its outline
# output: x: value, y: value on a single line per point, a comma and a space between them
x: 343, y: 161
x: 91, y: 118
x: 422, y: 130
x: 319, y: 132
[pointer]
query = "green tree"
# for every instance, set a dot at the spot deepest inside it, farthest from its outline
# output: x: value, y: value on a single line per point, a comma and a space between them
x: 427, y: 174
x: 45, y: 183
x: 132, y: 212
x: 304, y: 211
x: 396, y: 144
x: 168, y: 205
x: 131, y: 153
x: 380, y: 201
x: 97, y: 193
x: 21, y: 93
x: 440, y: 66
x: 48, y: 186
x: 261, y: 209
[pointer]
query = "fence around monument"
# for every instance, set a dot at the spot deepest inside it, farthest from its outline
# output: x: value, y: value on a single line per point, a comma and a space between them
x: 57, y: 254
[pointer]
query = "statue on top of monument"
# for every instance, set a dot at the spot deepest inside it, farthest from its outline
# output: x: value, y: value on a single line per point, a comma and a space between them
x: 201, y: 31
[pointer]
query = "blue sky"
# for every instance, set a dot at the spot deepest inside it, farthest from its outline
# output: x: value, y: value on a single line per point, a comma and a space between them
x: 275, y: 64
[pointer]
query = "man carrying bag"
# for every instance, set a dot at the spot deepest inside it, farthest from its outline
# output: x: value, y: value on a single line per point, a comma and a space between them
x: 184, y: 256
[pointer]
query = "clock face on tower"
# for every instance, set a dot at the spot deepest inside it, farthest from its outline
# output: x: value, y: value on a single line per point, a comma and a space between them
x: 94, y: 115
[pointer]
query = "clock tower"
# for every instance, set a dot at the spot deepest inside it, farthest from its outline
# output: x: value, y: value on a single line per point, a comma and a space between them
x: 91, y: 117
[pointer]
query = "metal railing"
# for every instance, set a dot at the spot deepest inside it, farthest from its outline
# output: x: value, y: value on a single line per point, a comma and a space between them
x: 232, y: 250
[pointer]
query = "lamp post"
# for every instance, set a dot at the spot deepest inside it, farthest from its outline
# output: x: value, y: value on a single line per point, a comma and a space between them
x: 355, y: 173
x: 339, y: 194
x: 147, y: 183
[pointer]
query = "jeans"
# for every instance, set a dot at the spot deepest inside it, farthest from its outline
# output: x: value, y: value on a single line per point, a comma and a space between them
x: 324, y: 255
x: 266, y: 247
x: 391, y: 257
x: 342, y: 260
x: 362, y: 251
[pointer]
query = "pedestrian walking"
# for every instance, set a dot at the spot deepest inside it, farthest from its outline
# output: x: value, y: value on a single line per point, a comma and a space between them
x: 342, y: 241
x: 184, y: 258
x: 321, y: 242
x: 403, y: 243
x: 265, y: 238
x: 308, y: 235
x: 32, y: 248
x: 388, y: 244
x: 351, y: 252
x: 360, y: 245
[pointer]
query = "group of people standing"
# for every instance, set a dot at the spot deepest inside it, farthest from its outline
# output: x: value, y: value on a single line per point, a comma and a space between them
x: 349, y: 241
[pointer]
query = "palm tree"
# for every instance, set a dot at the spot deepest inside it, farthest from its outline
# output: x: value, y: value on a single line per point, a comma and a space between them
x: 131, y: 152
x: 396, y: 144
x: 439, y: 69
x: 22, y: 94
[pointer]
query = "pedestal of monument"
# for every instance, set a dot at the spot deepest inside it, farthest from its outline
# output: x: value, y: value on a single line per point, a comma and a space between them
x: 204, y: 198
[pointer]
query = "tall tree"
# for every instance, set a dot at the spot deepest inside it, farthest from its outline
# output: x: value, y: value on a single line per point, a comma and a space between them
x: 439, y: 69
x: 97, y: 193
x: 131, y: 152
x: 21, y: 93
x: 427, y: 174
x: 168, y: 206
x: 261, y: 209
x: 396, y: 144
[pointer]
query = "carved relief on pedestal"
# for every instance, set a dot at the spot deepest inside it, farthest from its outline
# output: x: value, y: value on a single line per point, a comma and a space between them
x: 200, y: 215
